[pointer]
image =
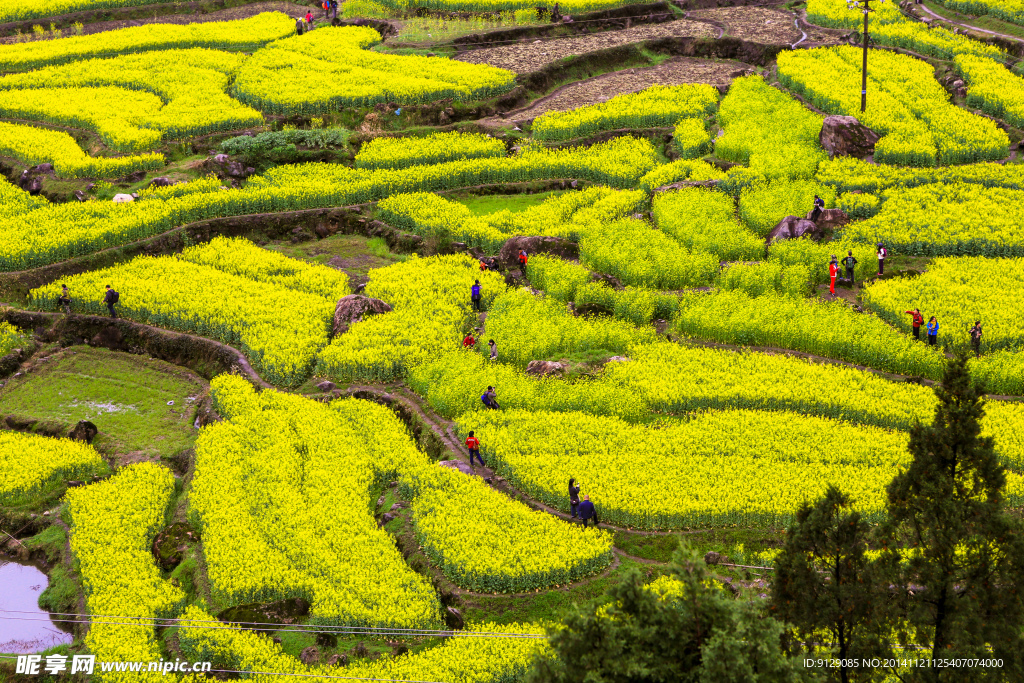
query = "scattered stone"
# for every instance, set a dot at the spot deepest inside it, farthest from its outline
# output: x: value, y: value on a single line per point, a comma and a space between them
x: 352, y: 308
x: 326, y: 640
x: 309, y: 656
x: 606, y: 279
x: 545, y: 368
x: 846, y: 136
x: 170, y: 545
x: 74, y: 484
x: 337, y: 660
x: 714, y: 558
x: 83, y: 431
x: 80, y: 196
x: 387, y: 517
x: 453, y: 619
x: 123, y: 198
x: 792, y: 227
x: 380, y: 501
x: 456, y: 465
x: 397, y: 506
x: 160, y: 182
x: 592, y: 309
x: 618, y: 359
x: 326, y: 386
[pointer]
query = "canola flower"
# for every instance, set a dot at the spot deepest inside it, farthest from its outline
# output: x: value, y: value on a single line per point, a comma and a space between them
x: 815, y: 256
x: 133, y: 101
x: 691, y: 138
x: 112, y: 528
x: 906, y: 221
x: 437, y: 148
x: 54, y: 232
x: 324, y: 71
x: 40, y: 145
x: 639, y: 254
x: 759, y: 465
x: 676, y: 171
x: 704, y: 220
x: 430, y: 298
x: 958, y: 291
x: 652, y: 107
x: 1007, y: 10
x: 244, y: 35
x: 527, y: 327
x: 239, y: 256
x: 31, y: 464
x: 756, y: 279
x: 763, y: 205
x: 848, y: 173
x: 828, y: 329
x: 776, y: 136
x: 279, y: 329
x: 15, y: 201
x: 457, y: 659
x: 908, y: 107
x: 10, y: 338
x: 993, y: 88
x: 1000, y: 372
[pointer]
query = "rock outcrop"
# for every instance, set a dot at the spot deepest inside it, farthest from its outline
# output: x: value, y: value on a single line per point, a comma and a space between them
x: 355, y: 307
x: 792, y: 227
x: 846, y: 136
x: 544, y: 368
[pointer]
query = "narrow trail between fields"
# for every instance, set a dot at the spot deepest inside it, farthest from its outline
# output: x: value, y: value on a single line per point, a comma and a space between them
x: 961, y: 24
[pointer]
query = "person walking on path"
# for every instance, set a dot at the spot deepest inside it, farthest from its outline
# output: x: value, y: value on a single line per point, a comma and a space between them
x: 833, y: 272
x: 474, y: 295
x: 473, y: 446
x: 933, y: 330
x: 111, y: 298
x: 849, y: 262
x: 882, y: 253
x: 64, y: 300
x: 975, y: 333
x: 494, y: 350
x: 916, y: 322
x: 587, y: 511
x: 574, y: 498
x: 819, y: 206
x: 490, y: 399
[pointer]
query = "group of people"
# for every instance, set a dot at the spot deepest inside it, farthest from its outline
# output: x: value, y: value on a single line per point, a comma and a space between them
x: 110, y: 297
x: 849, y: 262
x: 932, y: 329
x: 470, y: 342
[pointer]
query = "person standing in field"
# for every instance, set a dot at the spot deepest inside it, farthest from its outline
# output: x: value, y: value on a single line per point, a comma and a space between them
x: 494, y: 349
x: 882, y: 253
x: 933, y: 330
x: 473, y: 446
x: 587, y: 511
x: 64, y: 300
x: 474, y: 295
x: 490, y: 399
x: 833, y: 272
x: 916, y: 322
x: 574, y: 498
x: 975, y: 333
x: 522, y: 260
x: 111, y: 298
x: 849, y: 262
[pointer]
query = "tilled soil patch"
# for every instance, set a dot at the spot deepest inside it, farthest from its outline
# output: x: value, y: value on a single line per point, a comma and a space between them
x: 526, y: 57
x: 602, y: 88
x: 756, y: 24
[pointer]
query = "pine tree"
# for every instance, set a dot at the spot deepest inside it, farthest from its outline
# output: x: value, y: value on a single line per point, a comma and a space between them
x: 824, y: 583
x: 702, y: 636
x: 952, y: 553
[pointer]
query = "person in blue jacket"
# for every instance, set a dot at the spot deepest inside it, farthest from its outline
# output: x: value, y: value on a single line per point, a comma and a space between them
x: 933, y: 330
x: 587, y: 511
x: 474, y: 294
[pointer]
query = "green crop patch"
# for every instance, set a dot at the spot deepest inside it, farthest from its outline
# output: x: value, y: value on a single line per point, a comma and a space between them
x: 144, y: 408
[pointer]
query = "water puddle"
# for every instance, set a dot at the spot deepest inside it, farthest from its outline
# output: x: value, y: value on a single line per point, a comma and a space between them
x: 24, y: 628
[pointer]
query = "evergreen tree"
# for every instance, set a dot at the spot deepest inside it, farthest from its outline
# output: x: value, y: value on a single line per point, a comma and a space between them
x: 952, y: 553
x: 824, y: 584
x: 701, y: 635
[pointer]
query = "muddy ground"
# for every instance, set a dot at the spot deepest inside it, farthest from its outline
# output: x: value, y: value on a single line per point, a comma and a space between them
x: 526, y: 57
x: 602, y: 88
x: 756, y: 24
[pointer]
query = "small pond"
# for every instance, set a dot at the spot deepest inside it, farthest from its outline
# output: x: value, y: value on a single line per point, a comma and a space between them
x: 24, y: 628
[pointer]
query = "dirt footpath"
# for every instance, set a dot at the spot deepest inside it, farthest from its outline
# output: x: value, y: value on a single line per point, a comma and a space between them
x: 756, y: 24
x: 526, y: 57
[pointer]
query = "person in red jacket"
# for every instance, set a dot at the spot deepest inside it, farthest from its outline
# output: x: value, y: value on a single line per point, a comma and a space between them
x: 833, y: 272
x: 918, y: 319
x: 469, y: 341
x: 522, y: 260
x: 473, y: 446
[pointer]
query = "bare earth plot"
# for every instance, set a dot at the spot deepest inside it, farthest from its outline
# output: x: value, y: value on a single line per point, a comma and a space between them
x: 676, y: 71
x: 756, y: 24
x: 526, y: 57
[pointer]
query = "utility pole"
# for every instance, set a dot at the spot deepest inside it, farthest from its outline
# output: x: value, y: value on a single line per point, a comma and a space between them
x: 864, y: 8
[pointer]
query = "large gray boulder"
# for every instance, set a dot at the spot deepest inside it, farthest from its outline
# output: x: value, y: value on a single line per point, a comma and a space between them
x: 355, y: 307
x: 544, y: 368
x: 792, y: 227
x: 830, y: 219
x: 846, y: 136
